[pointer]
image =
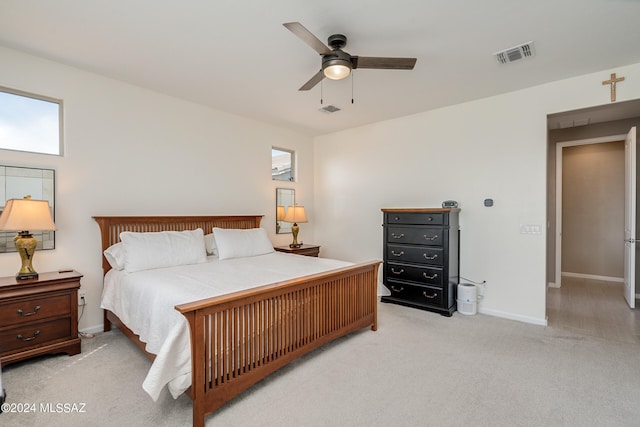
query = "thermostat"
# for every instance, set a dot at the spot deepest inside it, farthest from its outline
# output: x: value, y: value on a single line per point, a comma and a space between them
x: 449, y: 204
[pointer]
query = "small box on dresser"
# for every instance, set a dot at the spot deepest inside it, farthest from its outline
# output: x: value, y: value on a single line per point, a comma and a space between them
x: 421, y: 257
x: 39, y: 316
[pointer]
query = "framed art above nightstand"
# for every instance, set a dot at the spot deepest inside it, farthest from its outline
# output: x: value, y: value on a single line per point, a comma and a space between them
x: 307, y: 250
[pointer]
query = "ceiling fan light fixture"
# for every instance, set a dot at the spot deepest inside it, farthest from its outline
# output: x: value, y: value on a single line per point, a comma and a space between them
x: 336, y: 69
x: 336, y: 63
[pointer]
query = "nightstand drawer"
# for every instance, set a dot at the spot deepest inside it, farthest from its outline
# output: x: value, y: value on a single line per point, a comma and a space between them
x: 34, y: 335
x: 19, y: 311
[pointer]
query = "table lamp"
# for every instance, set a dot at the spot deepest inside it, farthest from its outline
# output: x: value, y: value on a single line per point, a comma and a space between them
x: 22, y: 215
x: 295, y: 214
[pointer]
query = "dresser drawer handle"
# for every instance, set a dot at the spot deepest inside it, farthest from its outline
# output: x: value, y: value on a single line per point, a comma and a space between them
x: 432, y: 257
x: 429, y: 218
x: 397, y: 236
x: 434, y: 237
x: 35, y: 335
x: 435, y: 294
x: 430, y: 277
x: 23, y: 314
x: 393, y: 270
x: 395, y: 289
x: 394, y: 253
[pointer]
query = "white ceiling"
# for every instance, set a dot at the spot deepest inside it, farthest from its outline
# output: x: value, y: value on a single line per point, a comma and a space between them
x: 236, y: 56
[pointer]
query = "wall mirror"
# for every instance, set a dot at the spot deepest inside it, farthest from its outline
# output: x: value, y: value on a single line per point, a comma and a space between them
x: 17, y: 182
x: 285, y: 197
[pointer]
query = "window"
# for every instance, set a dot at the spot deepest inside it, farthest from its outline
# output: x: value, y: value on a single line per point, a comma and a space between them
x: 30, y: 122
x: 282, y: 164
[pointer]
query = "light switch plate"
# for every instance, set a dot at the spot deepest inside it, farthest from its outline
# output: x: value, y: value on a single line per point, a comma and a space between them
x: 530, y: 229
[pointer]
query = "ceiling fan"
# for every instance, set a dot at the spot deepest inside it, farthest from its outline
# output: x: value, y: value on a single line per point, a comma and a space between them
x: 336, y: 63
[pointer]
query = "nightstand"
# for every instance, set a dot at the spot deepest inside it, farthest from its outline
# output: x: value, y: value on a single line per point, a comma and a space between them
x: 307, y: 250
x: 39, y: 316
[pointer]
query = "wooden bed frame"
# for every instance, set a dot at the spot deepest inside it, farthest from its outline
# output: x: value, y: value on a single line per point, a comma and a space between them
x: 240, y: 338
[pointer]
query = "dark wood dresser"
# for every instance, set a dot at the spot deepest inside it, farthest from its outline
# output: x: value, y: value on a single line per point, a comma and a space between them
x: 39, y: 316
x: 421, y: 258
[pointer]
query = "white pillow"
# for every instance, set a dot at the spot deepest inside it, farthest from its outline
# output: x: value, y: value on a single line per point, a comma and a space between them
x: 236, y: 243
x: 115, y: 256
x: 146, y: 251
x: 210, y: 244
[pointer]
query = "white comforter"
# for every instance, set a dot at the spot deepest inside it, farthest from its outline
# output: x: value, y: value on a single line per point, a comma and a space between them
x: 145, y: 302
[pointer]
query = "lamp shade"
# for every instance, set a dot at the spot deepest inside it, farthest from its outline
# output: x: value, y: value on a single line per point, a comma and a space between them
x: 295, y: 214
x: 280, y: 213
x: 26, y: 214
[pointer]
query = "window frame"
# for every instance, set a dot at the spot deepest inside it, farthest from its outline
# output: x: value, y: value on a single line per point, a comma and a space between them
x: 292, y: 154
x: 38, y: 97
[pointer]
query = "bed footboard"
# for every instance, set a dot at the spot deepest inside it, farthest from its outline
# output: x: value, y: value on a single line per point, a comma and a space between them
x: 240, y: 338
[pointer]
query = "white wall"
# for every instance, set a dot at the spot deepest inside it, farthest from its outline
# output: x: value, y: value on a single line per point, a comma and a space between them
x: 491, y: 148
x: 132, y: 151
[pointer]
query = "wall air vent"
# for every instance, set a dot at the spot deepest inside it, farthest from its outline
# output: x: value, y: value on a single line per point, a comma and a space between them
x: 329, y: 109
x: 516, y: 53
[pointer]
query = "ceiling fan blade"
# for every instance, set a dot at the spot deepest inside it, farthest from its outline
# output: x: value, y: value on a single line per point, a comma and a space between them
x: 307, y: 36
x: 317, y: 78
x: 383, y: 63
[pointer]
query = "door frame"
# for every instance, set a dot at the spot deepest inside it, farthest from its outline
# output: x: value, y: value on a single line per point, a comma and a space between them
x: 559, y: 147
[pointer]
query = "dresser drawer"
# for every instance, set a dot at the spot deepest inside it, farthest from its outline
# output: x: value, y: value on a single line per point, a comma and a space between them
x: 34, y: 335
x: 427, y: 275
x: 21, y: 310
x: 419, y: 254
x: 416, y: 235
x: 418, y: 218
x: 417, y: 294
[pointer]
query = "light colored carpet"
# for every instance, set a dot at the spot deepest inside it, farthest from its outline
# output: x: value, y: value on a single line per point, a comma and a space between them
x: 418, y: 369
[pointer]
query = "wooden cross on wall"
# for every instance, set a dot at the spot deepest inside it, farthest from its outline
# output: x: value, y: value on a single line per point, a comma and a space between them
x: 612, y: 81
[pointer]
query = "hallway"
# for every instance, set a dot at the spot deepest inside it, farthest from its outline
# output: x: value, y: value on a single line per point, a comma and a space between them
x: 593, y: 307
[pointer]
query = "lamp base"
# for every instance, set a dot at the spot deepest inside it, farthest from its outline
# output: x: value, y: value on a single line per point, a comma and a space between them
x: 294, y: 231
x: 26, y: 246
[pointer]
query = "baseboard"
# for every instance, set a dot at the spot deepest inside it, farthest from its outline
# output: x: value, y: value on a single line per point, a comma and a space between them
x: 594, y: 277
x: 511, y: 316
x: 552, y: 285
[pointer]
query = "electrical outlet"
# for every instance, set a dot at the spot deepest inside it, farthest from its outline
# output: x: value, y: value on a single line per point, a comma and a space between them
x: 81, y: 295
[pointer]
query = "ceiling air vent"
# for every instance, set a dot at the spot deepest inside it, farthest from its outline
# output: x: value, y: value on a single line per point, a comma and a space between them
x: 516, y: 53
x: 329, y: 109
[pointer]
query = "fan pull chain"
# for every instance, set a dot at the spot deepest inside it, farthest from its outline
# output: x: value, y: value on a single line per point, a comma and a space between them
x: 352, y: 87
x: 321, y: 91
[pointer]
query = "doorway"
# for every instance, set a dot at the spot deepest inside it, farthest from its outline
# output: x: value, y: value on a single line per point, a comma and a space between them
x: 590, y: 209
x: 597, y: 125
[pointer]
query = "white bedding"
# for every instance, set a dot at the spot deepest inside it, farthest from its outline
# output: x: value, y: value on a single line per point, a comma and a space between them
x: 145, y: 302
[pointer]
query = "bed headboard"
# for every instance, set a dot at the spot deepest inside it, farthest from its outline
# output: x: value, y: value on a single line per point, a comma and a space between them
x: 112, y: 226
